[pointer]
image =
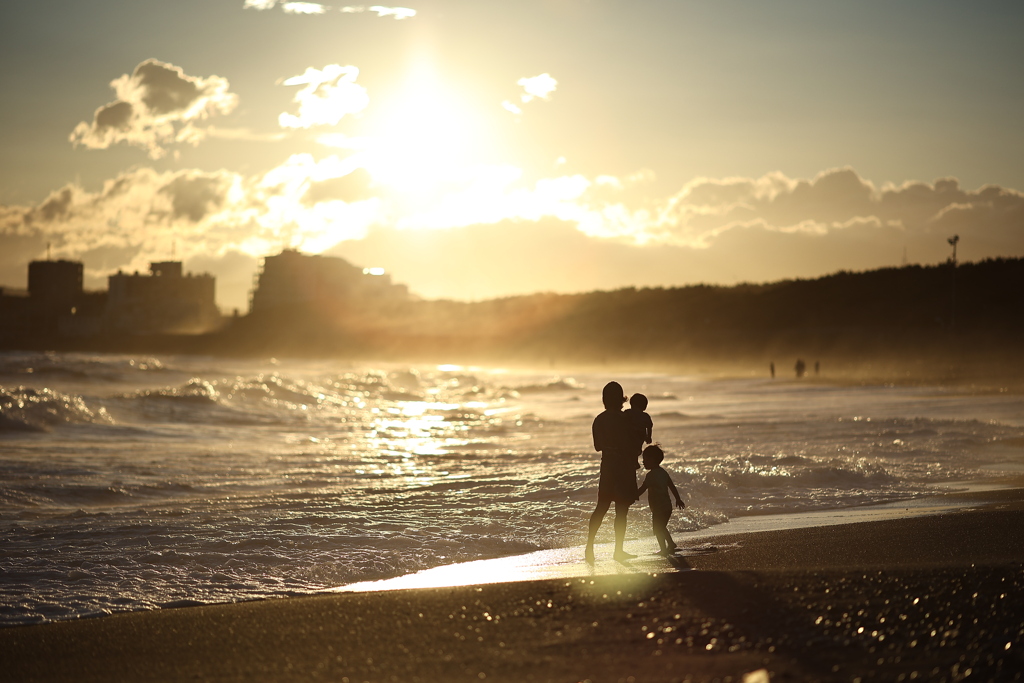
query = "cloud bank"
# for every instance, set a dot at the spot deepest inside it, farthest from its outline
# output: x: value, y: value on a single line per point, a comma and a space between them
x: 144, y: 214
x: 837, y: 201
x: 720, y: 231
x: 157, y: 105
x: 495, y: 234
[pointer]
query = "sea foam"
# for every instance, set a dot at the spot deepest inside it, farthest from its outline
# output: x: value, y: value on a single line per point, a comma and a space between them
x: 135, y: 483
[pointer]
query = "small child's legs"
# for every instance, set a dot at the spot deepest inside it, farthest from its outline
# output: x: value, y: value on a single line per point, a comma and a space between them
x: 659, y: 520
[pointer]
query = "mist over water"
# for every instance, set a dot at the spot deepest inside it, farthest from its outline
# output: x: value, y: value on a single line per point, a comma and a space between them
x: 136, y: 482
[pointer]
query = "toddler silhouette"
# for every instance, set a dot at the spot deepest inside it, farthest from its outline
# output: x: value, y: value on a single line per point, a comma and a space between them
x: 657, y: 483
x: 642, y: 423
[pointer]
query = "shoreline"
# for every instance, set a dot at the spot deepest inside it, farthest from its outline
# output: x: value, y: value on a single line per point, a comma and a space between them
x: 568, y: 563
x: 930, y: 597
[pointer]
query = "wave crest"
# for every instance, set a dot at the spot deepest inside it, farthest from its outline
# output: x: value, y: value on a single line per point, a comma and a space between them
x: 23, y: 409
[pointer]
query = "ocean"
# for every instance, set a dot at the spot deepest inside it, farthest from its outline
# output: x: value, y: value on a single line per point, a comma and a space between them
x: 135, y: 482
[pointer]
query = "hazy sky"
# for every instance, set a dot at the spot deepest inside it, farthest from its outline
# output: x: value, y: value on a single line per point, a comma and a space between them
x: 477, y: 148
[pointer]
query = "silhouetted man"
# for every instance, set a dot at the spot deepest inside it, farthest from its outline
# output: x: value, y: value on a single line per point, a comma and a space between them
x: 614, y: 437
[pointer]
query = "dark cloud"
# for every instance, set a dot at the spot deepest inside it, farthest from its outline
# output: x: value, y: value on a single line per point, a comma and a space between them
x: 116, y: 115
x: 836, y: 199
x: 157, y: 105
x: 53, y: 207
x: 193, y: 195
x: 165, y: 88
x: 714, y: 231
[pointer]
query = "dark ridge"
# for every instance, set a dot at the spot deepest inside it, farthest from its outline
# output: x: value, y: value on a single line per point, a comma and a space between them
x: 939, y: 321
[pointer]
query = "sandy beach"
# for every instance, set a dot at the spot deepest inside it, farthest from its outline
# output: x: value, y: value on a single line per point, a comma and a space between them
x: 936, y: 598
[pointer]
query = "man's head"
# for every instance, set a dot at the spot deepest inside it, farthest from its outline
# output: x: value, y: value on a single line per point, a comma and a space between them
x: 612, y: 396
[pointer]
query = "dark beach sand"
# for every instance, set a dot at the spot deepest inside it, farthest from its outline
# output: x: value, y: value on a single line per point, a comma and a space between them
x: 929, y: 598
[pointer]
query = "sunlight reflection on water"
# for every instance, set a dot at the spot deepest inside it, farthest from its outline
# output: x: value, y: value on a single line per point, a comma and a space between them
x: 184, y: 479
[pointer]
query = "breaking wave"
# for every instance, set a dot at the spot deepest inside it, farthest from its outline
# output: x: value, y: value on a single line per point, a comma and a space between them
x: 136, y: 483
x: 24, y: 409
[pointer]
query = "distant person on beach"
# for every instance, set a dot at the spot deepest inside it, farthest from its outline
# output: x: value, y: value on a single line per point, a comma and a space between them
x: 614, y: 436
x: 800, y: 367
x: 771, y: 369
x: 817, y: 368
x: 644, y: 425
x: 658, y: 483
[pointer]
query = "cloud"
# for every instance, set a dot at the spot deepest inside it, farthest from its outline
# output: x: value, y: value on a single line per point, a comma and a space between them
x: 303, y: 8
x: 329, y: 94
x: 157, y: 105
x: 533, y: 87
x: 486, y: 231
x: 494, y: 235
x: 194, y: 196
x: 537, y: 86
x: 141, y: 215
x: 306, y: 202
x: 548, y: 253
x: 398, y: 13
x: 705, y: 209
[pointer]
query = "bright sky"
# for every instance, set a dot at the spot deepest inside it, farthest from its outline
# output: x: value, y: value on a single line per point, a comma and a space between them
x: 476, y: 148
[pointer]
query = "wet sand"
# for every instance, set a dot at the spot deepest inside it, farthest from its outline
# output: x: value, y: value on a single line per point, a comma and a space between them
x: 929, y: 598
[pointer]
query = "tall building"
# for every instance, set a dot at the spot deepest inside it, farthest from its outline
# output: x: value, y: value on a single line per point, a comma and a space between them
x: 292, y: 282
x: 165, y: 301
x: 54, y: 293
x: 55, y: 283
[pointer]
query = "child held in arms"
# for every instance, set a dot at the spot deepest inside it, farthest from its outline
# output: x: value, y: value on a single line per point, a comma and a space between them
x: 657, y: 483
x: 641, y: 421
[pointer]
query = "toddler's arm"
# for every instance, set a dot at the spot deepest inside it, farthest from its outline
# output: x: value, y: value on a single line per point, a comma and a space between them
x: 679, y: 501
x: 643, y: 487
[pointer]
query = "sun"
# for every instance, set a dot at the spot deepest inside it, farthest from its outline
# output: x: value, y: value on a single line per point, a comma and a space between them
x: 425, y: 134
x: 437, y: 154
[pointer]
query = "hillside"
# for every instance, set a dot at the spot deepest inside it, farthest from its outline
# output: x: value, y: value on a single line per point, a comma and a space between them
x: 925, y: 322
x: 933, y: 320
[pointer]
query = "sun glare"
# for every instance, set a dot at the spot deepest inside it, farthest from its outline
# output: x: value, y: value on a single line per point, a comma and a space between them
x: 425, y: 135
